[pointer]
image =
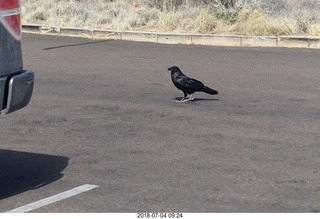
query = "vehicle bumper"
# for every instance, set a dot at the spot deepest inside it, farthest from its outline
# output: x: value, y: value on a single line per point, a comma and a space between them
x: 16, y: 90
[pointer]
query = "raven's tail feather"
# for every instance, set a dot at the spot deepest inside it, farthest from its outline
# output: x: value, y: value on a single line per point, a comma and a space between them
x: 208, y: 90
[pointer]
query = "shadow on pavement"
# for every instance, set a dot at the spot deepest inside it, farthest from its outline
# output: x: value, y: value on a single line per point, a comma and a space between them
x: 78, y: 44
x: 23, y: 171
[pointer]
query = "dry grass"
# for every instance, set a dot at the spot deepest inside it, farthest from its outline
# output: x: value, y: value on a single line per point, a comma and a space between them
x: 245, y: 17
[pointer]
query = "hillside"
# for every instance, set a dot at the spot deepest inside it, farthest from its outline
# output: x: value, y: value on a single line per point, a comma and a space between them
x: 242, y: 17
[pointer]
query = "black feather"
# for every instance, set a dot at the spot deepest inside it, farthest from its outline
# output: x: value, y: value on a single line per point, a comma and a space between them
x: 188, y: 85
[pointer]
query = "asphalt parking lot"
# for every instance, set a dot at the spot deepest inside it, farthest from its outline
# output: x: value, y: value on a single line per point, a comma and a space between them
x: 104, y: 113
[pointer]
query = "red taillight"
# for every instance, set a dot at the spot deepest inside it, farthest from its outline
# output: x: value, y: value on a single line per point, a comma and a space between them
x: 10, y: 17
x: 8, y: 4
x: 14, y: 23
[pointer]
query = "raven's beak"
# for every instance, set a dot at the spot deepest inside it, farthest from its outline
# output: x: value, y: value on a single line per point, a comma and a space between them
x: 169, y: 69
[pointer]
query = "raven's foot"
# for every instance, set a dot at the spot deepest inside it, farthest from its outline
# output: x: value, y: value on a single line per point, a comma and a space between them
x: 191, y: 97
x: 185, y: 99
x: 182, y: 100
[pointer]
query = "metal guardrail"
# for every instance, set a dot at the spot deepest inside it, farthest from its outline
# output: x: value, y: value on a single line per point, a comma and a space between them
x: 180, y: 38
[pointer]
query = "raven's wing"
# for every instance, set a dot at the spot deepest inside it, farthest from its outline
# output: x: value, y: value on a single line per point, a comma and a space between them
x: 189, y: 84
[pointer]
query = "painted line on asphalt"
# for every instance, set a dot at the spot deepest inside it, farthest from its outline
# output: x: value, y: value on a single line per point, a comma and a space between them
x: 53, y: 199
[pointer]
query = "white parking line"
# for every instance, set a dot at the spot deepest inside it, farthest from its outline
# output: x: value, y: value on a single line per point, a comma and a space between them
x: 53, y: 199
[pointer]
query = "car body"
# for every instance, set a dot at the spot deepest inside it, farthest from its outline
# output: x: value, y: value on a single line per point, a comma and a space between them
x: 16, y: 83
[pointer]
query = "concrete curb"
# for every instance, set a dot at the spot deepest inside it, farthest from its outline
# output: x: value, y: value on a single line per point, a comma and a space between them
x: 180, y: 38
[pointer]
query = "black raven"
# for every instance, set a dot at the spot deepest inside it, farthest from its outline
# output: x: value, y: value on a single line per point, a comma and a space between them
x: 188, y: 85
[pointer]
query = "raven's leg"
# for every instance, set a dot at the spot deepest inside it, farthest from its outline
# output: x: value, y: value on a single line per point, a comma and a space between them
x: 184, y: 99
x: 191, y: 97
